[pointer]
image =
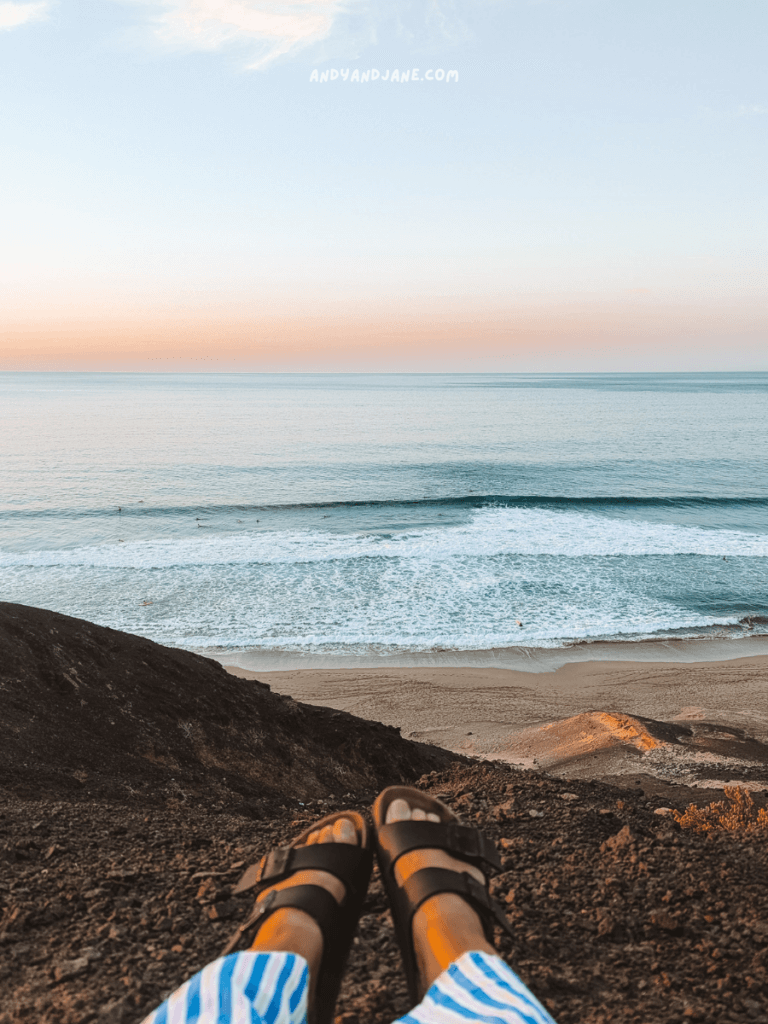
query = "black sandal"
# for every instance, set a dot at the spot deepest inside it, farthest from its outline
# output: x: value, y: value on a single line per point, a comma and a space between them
x: 352, y: 865
x: 460, y: 841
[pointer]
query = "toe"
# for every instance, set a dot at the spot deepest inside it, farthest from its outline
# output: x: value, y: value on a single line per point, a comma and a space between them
x: 312, y: 838
x: 431, y: 816
x: 398, y: 810
x: 344, y: 831
x: 417, y: 814
x: 326, y: 835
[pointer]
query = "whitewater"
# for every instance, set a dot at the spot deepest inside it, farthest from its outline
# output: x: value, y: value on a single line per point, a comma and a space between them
x: 380, y: 515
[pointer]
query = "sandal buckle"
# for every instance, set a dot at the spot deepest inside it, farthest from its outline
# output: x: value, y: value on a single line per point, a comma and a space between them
x: 258, y: 911
x: 274, y: 864
x: 463, y: 840
x: 471, y: 843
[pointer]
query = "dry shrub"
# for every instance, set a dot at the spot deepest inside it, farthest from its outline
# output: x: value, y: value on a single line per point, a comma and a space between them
x: 737, y: 813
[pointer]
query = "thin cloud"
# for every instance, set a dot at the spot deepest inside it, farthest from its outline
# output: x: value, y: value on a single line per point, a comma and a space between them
x: 271, y: 27
x: 13, y: 15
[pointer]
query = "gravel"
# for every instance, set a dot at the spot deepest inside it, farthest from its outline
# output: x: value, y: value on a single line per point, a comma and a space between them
x: 619, y: 915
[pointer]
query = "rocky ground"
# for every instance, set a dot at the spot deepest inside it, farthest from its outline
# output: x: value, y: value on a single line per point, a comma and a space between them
x: 92, y: 712
x: 619, y: 914
x: 137, y: 782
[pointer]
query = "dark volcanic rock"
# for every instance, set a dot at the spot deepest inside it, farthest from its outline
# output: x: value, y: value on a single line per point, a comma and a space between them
x: 619, y: 916
x: 91, y: 711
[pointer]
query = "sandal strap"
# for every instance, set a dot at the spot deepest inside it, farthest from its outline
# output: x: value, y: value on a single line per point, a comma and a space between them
x: 460, y: 840
x: 350, y: 864
x: 312, y: 899
x: 433, y: 881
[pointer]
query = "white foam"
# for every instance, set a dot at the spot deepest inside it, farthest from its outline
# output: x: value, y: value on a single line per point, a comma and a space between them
x: 490, y: 532
x: 455, y: 588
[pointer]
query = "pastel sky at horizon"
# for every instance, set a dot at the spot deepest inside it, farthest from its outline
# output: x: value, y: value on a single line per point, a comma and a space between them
x: 177, y: 193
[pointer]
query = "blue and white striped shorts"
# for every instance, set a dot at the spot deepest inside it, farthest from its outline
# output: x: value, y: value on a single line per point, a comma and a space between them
x: 271, y: 988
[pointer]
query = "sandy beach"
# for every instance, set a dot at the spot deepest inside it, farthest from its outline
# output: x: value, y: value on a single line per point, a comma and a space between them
x: 703, y: 724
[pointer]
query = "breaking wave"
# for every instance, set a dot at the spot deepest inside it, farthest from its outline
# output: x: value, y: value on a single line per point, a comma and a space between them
x: 490, y: 532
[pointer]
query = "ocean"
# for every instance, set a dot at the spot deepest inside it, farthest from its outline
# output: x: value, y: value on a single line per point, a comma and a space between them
x: 330, y: 519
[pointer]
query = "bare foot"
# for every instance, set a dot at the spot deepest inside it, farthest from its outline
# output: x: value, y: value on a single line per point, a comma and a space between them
x: 293, y: 931
x: 444, y: 926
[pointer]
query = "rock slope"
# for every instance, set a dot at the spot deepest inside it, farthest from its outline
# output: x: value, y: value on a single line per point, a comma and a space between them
x: 92, y: 712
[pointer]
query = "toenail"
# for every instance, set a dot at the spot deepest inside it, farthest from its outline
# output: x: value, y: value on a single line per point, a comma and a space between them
x: 344, y: 831
x: 398, y: 810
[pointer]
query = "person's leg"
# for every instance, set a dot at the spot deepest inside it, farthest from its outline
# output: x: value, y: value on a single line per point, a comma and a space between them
x: 446, y: 925
x: 275, y: 980
x: 294, y: 931
x: 242, y: 988
x: 464, y: 977
x: 478, y: 988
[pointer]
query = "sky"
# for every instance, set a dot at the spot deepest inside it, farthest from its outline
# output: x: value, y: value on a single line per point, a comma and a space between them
x: 214, y: 185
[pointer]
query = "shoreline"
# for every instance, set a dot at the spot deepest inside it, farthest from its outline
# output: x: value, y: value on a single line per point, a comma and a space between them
x: 664, y: 650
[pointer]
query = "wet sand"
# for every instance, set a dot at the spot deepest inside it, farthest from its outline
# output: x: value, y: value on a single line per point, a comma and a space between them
x: 596, y: 719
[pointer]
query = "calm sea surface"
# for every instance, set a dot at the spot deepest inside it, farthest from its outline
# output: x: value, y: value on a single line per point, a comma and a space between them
x: 363, y: 514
